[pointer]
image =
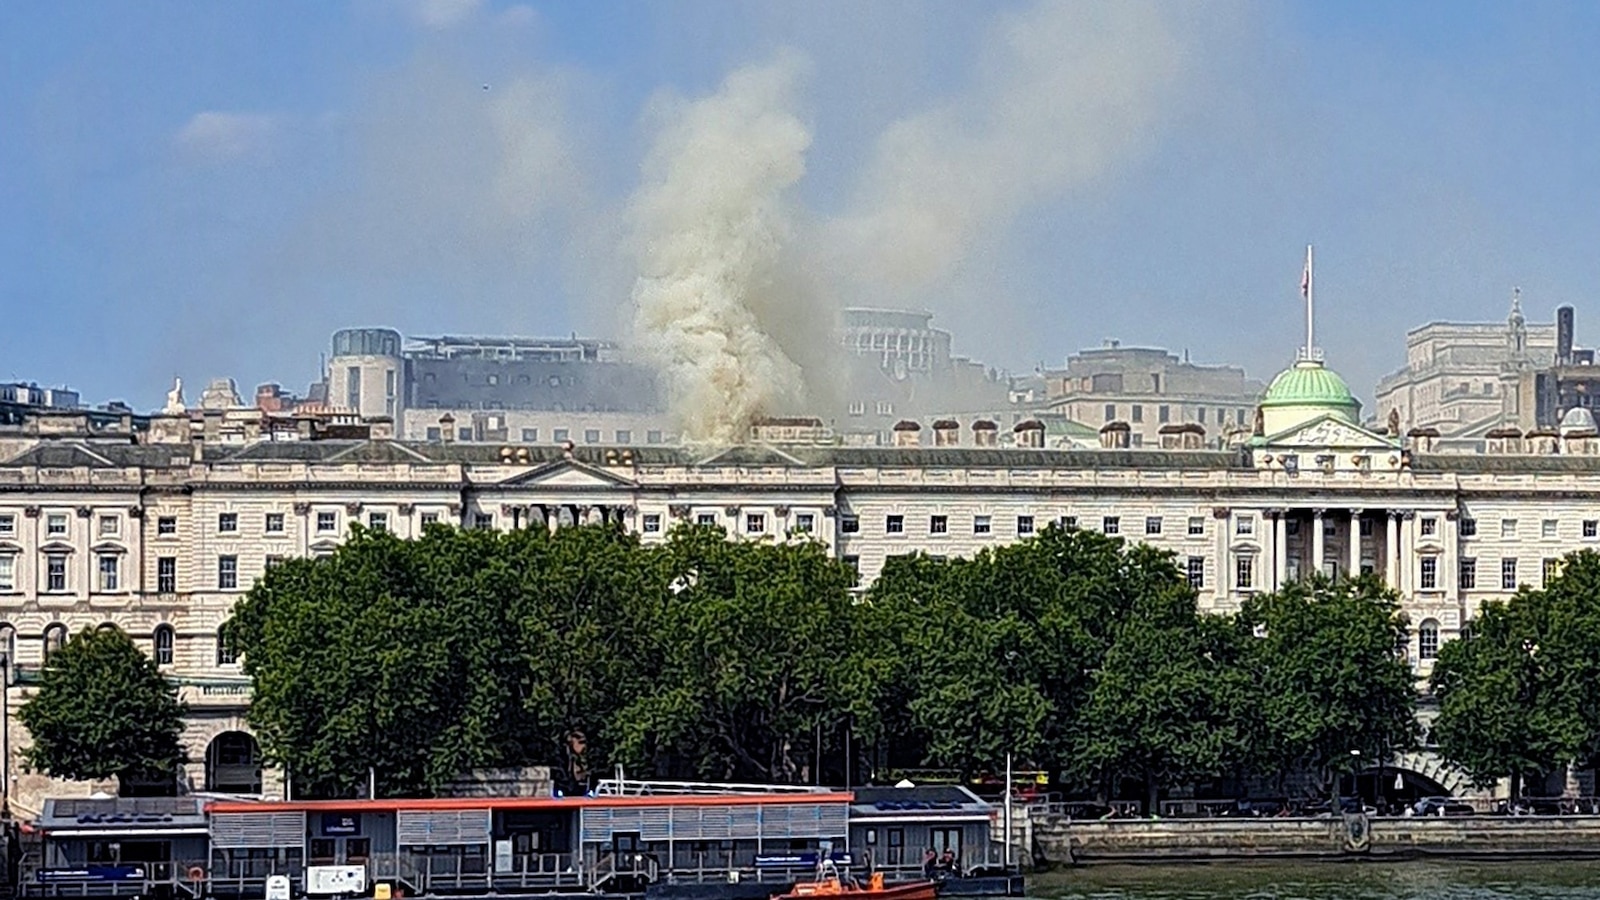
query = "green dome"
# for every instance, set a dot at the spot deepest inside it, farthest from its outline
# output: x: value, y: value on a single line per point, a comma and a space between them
x: 1310, y: 384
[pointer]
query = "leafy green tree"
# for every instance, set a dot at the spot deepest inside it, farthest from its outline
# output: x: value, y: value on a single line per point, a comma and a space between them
x: 1517, y: 691
x: 1335, y: 692
x: 749, y: 641
x: 103, y: 709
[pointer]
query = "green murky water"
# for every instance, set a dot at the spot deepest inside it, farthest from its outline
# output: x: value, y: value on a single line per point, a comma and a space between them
x: 1429, y: 880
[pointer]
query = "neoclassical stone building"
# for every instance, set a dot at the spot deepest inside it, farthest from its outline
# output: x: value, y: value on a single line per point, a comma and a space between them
x: 161, y: 537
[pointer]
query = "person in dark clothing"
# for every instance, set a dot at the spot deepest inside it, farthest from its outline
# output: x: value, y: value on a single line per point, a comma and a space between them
x: 930, y: 862
x: 947, y: 861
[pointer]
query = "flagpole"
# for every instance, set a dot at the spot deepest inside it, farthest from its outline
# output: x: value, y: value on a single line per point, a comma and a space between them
x: 1311, y: 352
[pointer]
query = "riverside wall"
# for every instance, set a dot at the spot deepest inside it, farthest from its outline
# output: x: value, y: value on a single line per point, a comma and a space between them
x: 1061, y: 841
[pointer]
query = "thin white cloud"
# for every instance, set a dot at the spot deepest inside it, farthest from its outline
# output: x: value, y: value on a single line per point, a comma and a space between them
x: 441, y: 14
x: 213, y: 137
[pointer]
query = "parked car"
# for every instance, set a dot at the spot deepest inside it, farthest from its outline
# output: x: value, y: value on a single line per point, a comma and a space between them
x: 1441, y: 806
x: 1347, y: 805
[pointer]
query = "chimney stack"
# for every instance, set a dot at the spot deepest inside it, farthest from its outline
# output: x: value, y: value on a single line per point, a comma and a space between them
x: 1564, y: 336
x: 1115, y: 436
x: 946, y: 433
x: 1029, y: 434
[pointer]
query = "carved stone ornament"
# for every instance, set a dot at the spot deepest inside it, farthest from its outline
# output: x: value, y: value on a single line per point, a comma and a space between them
x: 454, y: 508
x: 732, y: 511
x: 1450, y: 515
x: 781, y: 512
x: 1408, y: 515
x: 31, y: 512
x: 627, y: 511
x: 506, y: 509
x: 678, y: 510
x: 829, y: 512
x: 135, y: 512
x: 353, y: 509
x: 407, y: 509
x: 1219, y: 512
x: 85, y: 512
x: 301, y: 509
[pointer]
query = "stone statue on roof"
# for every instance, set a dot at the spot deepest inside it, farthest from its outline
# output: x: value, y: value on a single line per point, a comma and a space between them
x: 175, y: 399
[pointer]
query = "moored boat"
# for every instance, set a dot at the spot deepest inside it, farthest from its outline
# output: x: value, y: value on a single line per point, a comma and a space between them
x: 830, y: 883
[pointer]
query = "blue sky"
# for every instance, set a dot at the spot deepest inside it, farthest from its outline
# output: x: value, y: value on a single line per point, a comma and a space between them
x: 206, y: 189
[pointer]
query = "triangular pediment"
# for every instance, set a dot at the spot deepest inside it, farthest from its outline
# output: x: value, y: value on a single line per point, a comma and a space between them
x: 1328, y: 432
x: 568, y: 474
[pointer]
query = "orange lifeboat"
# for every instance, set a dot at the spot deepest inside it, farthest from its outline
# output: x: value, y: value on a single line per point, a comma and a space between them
x: 830, y: 883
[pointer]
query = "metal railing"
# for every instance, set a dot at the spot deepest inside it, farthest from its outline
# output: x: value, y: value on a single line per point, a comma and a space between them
x: 612, y: 787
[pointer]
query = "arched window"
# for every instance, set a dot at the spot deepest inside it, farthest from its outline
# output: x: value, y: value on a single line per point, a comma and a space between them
x: 1428, y: 639
x: 107, y: 626
x: 163, y: 640
x: 55, y: 637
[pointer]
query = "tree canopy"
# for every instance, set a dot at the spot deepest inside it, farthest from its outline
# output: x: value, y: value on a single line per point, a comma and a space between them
x: 705, y: 657
x: 103, y: 709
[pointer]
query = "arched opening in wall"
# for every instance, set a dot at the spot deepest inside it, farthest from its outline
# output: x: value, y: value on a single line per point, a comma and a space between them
x: 55, y: 637
x: 8, y: 645
x: 233, y: 764
x: 164, y: 640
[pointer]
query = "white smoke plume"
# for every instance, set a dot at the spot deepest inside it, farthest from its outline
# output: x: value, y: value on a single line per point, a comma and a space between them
x: 710, y: 224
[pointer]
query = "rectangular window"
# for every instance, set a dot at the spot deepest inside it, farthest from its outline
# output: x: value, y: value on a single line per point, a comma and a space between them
x: 591, y: 435
x: 1591, y: 528
x: 1024, y: 524
x: 854, y: 562
x: 652, y: 437
x: 378, y: 521
x: 227, y: 522
x: 561, y: 435
x: 464, y: 434
x: 894, y: 525
x: 1469, y: 527
x: 1197, y: 572
x: 1366, y: 527
x: 624, y: 436
x: 55, y: 523
x: 755, y: 523
x: 1291, y: 527
x: 8, y: 525
x: 1508, y: 528
x: 1069, y: 523
x: 272, y: 562
x: 1428, y: 641
x: 227, y: 573
x: 1552, y: 571
x: 1244, y: 526
x: 805, y: 523
x: 1111, y: 411
x: 1111, y: 525
x: 1430, y: 526
x: 167, y: 575
x: 275, y: 522
x: 1245, y: 572
x: 1164, y: 413
x: 109, y: 567
x: 981, y: 525
x: 327, y: 521
x: 1548, y: 529
x: 705, y: 519
x: 483, y: 521
x: 1429, y: 573
x: 530, y: 435
x: 8, y: 572
x: 430, y: 518
x: 225, y: 654
x: 1138, y: 413
x: 849, y: 523
x: 1469, y: 573
x: 55, y: 572
x: 652, y: 523
x: 110, y: 526
x: 1201, y: 412
x: 938, y: 524
x: 1508, y: 574
x: 432, y: 435
x: 1197, y: 526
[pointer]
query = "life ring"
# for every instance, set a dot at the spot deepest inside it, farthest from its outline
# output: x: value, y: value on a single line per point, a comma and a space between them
x: 197, y: 874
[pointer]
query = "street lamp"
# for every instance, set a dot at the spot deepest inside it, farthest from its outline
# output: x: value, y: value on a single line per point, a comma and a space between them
x: 5, y: 733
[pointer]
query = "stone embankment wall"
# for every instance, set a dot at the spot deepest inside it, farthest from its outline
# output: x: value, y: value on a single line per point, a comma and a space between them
x: 1061, y: 841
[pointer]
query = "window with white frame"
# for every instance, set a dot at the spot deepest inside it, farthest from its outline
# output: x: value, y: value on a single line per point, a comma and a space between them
x: 110, y: 526
x: 275, y: 523
x: 1429, y: 526
x: 755, y: 523
x: 109, y: 566
x: 1152, y: 525
x: 1428, y: 639
x: 938, y: 524
x: 163, y: 641
x: 849, y: 523
x: 166, y: 526
x: 327, y: 520
x: 1591, y: 528
x: 55, y: 572
x: 1508, y: 529
x: 483, y: 521
x: 1197, y: 572
x: 1468, y: 574
x: 1508, y: 574
x: 378, y: 521
x: 651, y: 523
x: 55, y: 524
x: 1024, y: 524
x: 225, y: 654
x: 1244, y: 571
x: 1469, y: 527
x: 227, y: 522
x: 8, y: 525
x: 1428, y: 573
x: 1552, y: 571
x: 227, y: 573
x: 55, y: 637
x: 1244, y: 526
x: 1111, y: 525
x: 705, y: 519
x: 805, y: 523
x: 1197, y: 526
x: 167, y: 575
x: 8, y: 572
x: 982, y: 525
x: 429, y: 518
x: 1549, y: 529
x: 894, y: 525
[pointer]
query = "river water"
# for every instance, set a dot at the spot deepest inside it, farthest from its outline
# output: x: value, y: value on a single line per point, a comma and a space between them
x: 1419, y: 880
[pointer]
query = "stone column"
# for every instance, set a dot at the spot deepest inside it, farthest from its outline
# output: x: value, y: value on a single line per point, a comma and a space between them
x: 1406, y: 552
x: 1223, y: 517
x: 1391, y: 547
x: 1449, y: 560
x: 1355, y: 543
x: 1318, y: 541
x: 1280, y: 547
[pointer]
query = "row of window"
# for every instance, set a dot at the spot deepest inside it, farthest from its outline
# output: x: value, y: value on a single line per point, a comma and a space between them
x: 557, y: 435
x: 1164, y: 414
x: 56, y: 524
x: 1549, y: 529
x: 163, y: 640
x: 895, y: 523
x: 754, y: 523
x: 108, y: 573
